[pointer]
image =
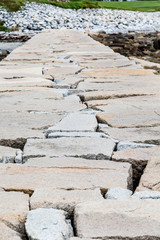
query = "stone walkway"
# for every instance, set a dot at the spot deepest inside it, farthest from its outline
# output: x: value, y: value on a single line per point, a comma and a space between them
x: 79, y: 124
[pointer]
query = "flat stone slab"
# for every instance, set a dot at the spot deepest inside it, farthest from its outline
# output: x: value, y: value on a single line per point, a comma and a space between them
x: 101, y: 148
x: 79, y: 122
x: 50, y: 224
x: 7, y: 154
x: 24, y: 125
x: 122, y: 219
x: 120, y: 113
x: 6, y: 233
x: 71, y: 162
x: 62, y: 199
x: 27, y: 179
x: 143, y: 134
x: 150, y: 179
x: 14, y: 207
x: 76, y: 134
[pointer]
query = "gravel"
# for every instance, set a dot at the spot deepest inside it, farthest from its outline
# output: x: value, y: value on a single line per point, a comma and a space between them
x: 36, y: 17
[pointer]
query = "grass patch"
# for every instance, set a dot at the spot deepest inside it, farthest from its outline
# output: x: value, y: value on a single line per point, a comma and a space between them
x: 3, y: 28
x: 143, y: 6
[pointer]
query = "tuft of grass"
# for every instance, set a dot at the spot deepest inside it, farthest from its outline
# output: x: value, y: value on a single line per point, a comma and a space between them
x: 12, y: 5
x: 3, y: 28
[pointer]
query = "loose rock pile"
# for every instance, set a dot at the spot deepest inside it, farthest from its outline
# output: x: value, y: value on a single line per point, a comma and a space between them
x: 35, y: 17
x: 79, y: 123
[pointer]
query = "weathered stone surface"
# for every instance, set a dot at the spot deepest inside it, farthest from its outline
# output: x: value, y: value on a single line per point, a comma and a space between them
x: 79, y: 122
x: 7, y: 233
x: 62, y: 199
x: 144, y: 134
x: 118, y: 193
x: 14, y: 207
x: 99, y: 148
x: 27, y: 179
x: 150, y: 179
x: 76, y: 134
x: 138, y: 155
x: 122, y: 145
x: 147, y: 195
x: 49, y: 224
x: 128, y: 219
x: 24, y: 125
x: 121, y: 112
x: 7, y: 154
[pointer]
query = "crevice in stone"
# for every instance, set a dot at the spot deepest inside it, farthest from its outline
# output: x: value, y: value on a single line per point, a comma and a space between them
x: 16, y: 143
x: 25, y: 191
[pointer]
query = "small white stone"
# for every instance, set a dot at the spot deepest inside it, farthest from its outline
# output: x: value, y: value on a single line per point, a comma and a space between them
x: 118, y: 193
x: 147, y: 195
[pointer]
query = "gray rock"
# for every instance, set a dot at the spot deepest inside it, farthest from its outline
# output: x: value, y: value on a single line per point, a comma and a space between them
x: 118, y: 193
x: 126, y: 144
x: 49, y: 224
x: 76, y: 134
x: 147, y: 195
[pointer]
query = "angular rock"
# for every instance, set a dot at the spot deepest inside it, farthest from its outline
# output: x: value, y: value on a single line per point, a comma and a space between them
x: 144, y: 134
x: 131, y: 145
x: 150, y: 180
x: 14, y: 207
x: 79, y: 122
x: 7, y: 154
x: 50, y: 224
x: 27, y: 179
x: 131, y: 218
x: 90, y: 148
x: 118, y: 193
x: 147, y: 195
x: 7, y: 233
x: 62, y: 199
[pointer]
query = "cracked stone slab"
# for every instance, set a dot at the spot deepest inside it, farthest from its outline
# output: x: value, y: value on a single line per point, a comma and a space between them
x: 50, y: 224
x: 62, y: 199
x: 6, y: 233
x: 14, y: 207
x: 24, y: 125
x: 144, y: 134
x: 8, y: 154
x: 120, y: 113
x: 150, y: 179
x: 96, y: 219
x: 76, y: 122
x: 91, y: 148
x: 73, y: 176
x: 47, y: 101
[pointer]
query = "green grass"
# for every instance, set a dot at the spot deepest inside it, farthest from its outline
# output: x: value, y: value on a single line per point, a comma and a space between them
x: 3, y: 28
x: 143, y: 6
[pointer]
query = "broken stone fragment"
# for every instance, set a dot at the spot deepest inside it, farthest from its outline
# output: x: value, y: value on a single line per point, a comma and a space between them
x: 125, y: 145
x: 8, y: 154
x: 50, y: 224
x: 118, y: 193
x: 147, y: 195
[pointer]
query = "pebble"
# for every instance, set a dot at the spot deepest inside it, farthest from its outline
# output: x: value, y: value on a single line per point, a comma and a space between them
x: 36, y: 17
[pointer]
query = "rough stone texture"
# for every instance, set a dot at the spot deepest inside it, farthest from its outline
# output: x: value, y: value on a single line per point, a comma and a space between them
x: 14, y: 207
x: 144, y: 134
x: 99, y: 148
x: 76, y: 134
x: 147, y: 195
x: 79, y: 122
x: 62, y: 199
x: 118, y: 193
x: 150, y: 179
x: 7, y: 233
x: 125, y: 145
x: 48, y: 224
x: 29, y: 178
x: 131, y: 218
x: 7, y: 154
